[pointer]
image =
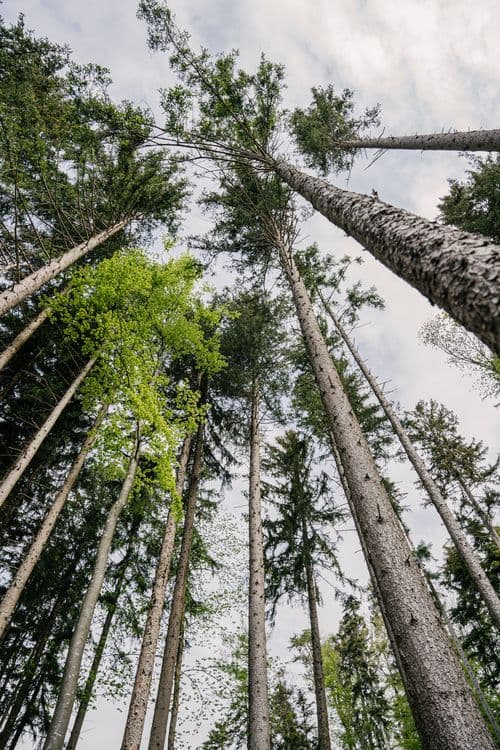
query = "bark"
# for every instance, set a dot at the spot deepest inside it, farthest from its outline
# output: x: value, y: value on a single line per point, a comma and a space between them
x: 174, y: 713
x: 447, y: 516
x: 12, y: 349
x: 164, y: 693
x: 480, y: 512
x: 140, y: 694
x: 446, y: 715
x: 259, y: 733
x: 96, y: 661
x: 472, y: 140
x: 456, y: 270
x: 324, y: 742
x: 69, y: 683
x: 29, y: 452
x: 30, y: 284
x: 9, y: 602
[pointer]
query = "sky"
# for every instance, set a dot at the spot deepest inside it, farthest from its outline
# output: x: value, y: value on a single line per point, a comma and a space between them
x: 431, y: 65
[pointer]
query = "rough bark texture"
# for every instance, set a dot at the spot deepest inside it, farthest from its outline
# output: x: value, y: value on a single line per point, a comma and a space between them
x: 12, y: 349
x: 481, y: 512
x: 30, y: 284
x: 9, y: 602
x: 29, y: 452
x: 69, y: 683
x: 456, y: 270
x: 164, y: 693
x: 140, y: 694
x: 259, y: 733
x: 472, y: 140
x: 174, y: 713
x: 324, y: 742
x: 446, y: 715
x: 449, y: 519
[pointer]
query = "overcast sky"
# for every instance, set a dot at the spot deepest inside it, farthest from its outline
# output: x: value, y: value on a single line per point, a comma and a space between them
x: 431, y: 64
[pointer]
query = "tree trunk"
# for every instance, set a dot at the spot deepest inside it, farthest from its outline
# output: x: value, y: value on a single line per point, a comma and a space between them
x: 144, y: 672
x: 480, y: 512
x: 69, y: 684
x: 30, y: 284
x: 174, y: 713
x: 96, y: 661
x: 9, y: 602
x: 324, y: 742
x: 445, y: 713
x: 259, y: 732
x: 473, y: 140
x: 448, y: 518
x: 164, y: 694
x: 12, y: 349
x: 29, y: 452
x: 458, y: 271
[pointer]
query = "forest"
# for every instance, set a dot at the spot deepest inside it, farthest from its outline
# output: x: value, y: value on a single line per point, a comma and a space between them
x: 202, y: 518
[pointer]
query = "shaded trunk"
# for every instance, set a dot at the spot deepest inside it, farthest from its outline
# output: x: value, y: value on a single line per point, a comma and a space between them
x: 480, y: 512
x: 29, y: 452
x: 324, y: 742
x: 20, y: 725
x: 12, y: 349
x: 174, y: 713
x: 473, y: 140
x: 164, y: 693
x: 9, y: 602
x: 96, y: 661
x: 259, y: 732
x: 69, y: 683
x: 446, y: 715
x: 458, y: 271
x: 448, y: 518
x: 30, y: 284
x: 140, y: 694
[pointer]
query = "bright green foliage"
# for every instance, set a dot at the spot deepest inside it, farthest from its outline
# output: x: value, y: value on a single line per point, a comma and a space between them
x: 473, y: 204
x: 329, y: 120
x: 300, y: 530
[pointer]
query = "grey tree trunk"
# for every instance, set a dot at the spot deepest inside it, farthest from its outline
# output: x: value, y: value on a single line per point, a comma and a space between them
x: 458, y: 271
x: 480, y: 512
x: 101, y: 645
x: 69, y: 683
x: 29, y: 452
x: 164, y: 693
x: 9, y: 602
x: 259, y: 732
x: 12, y: 349
x: 472, y: 140
x: 140, y: 694
x: 448, y: 518
x: 30, y: 284
x: 174, y: 713
x: 324, y: 742
x: 446, y: 715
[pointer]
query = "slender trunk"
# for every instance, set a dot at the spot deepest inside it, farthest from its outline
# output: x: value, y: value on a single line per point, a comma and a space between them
x: 458, y: 271
x: 96, y: 661
x: 324, y: 742
x: 21, y: 723
x: 445, y: 713
x: 472, y: 140
x: 174, y: 713
x: 30, y: 284
x: 9, y: 602
x: 12, y: 349
x: 259, y: 732
x: 69, y: 684
x: 29, y: 452
x: 448, y: 518
x: 480, y: 512
x: 164, y: 694
x: 144, y: 672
